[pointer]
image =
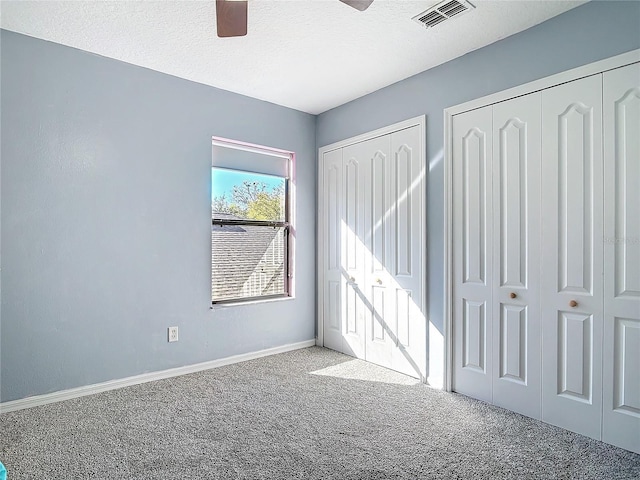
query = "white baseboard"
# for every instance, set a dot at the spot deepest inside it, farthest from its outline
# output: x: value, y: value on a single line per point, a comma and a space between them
x: 62, y: 395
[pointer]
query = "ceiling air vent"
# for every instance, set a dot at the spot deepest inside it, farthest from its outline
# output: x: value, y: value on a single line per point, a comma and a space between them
x: 443, y: 11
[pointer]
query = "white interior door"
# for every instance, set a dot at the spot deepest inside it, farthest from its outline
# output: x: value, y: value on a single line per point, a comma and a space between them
x: 334, y: 281
x: 516, y: 254
x: 372, y: 258
x: 379, y: 326
x: 354, y: 252
x: 391, y: 289
x: 621, y: 399
x: 406, y: 275
x: 472, y: 257
x: 571, y: 267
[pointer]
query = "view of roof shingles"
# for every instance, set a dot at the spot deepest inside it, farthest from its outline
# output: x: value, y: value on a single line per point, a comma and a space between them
x: 242, y: 250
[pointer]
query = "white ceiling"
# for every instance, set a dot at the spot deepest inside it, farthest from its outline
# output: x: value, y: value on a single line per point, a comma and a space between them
x: 311, y: 55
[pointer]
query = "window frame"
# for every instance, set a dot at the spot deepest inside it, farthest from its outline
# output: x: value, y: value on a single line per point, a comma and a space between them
x: 285, y: 224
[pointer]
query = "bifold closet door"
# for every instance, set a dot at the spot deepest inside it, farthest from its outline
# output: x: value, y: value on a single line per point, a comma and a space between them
x: 406, y: 275
x: 380, y: 324
x: 334, y: 281
x: 516, y: 255
x: 344, y: 254
x: 496, y: 154
x: 392, y: 216
x: 621, y: 375
x: 571, y: 266
x: 373, y: 273
x: 354, y: 252
x: 472, y: 253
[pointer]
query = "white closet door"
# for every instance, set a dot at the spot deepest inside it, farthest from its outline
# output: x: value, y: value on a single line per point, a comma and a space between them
x: 516, y: 254
x: 472, y: 258
x: 621, y: 401
x: 334, y: 281
x: 380, y: 323
x: 354, y: 252
x: 571, y: 267
x: 407, y: 276
x: 372, y: 260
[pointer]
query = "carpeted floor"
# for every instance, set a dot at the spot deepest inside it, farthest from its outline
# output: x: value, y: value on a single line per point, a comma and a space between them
x: 308, y: 414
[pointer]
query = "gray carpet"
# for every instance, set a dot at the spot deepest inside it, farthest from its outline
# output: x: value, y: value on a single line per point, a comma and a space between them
x: 308, y: 414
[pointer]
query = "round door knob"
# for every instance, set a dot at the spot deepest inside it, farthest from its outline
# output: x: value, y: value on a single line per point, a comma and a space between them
x: 378, y: 281
x: 513, y: 294
x: 573, y: 303
x: 352, y: 279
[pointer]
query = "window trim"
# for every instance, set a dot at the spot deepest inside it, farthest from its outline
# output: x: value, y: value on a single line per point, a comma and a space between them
x: 286, y: 224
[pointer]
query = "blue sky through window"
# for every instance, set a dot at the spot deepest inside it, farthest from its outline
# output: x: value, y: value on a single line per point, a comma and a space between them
x: 223, y: 180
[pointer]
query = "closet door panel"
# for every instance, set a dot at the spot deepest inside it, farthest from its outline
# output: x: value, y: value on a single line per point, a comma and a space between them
x: 335, y: 283
x: 406, y: 285
x: 516, y: 256
x: 354, y: 252
x: 472, y: 259
x: 380, y: 321
x: 571, y: 267
x: 621, y: 399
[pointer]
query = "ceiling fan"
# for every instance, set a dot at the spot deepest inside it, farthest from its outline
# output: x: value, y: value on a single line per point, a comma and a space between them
x: 231, y: 15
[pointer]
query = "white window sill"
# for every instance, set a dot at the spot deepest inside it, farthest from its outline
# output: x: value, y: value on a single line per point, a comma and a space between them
x: 222, y: 306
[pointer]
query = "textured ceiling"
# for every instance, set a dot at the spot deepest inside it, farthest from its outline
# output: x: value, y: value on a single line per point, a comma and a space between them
x: 311, y: 55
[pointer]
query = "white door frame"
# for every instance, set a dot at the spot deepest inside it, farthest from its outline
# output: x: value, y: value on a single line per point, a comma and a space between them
x: 594, y: 68
x: 416, y: 121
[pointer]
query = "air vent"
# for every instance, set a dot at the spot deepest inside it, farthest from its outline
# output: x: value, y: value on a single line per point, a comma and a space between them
x: 443, y: 11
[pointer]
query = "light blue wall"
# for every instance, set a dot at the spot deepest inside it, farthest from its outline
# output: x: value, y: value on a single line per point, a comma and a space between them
x: 106, y: 220
x: 588, y: 33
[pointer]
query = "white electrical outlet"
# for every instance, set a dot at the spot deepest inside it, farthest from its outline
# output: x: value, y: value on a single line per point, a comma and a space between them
x: 173, y: 334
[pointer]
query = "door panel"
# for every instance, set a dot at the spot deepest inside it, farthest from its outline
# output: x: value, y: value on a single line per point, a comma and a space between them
x: 334, y: 282
x: 475, y: 161
x: 626, y: 348
x: 575, y: 356
x: 354, y: 251
x: 379, y: 308
x: 574, y: 135
x: 513, y: 345
x: 571, y: 266
x: 403, y: 314
x: 333, y: 300
x: 512, y: 162
x: 407, y: 216
x: 516, y: 258
x: 352, y: 182
x: 474, y: 331
x: 472, y: 258
x: 621, y: 399
x: 380, y: 323
x: 378, y: 224
x: 403, y: 233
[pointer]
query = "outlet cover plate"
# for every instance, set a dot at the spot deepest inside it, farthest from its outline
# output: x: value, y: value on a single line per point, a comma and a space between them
x: 173, y: 334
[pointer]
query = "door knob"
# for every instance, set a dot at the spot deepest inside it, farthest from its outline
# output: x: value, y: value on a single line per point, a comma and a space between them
x: 378, y: 281
x: 573, y: 303
x: 352, y: 279
x: 513, y: 294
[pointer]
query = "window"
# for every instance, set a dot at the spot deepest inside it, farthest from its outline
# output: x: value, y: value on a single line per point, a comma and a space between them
x: 250, y: 223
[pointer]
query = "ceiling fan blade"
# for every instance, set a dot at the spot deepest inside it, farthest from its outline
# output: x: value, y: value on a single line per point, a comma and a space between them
x: 361, y: 5
x: 231, y: 17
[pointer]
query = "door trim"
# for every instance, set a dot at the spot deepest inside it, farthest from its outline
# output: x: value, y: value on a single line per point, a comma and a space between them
x: 419, y: 121
x: 594, y: 68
